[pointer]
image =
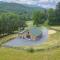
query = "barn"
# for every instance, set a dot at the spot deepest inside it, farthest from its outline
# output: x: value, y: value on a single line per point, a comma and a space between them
x: 34, y: 33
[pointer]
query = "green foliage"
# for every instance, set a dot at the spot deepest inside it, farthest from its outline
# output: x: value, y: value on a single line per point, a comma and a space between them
x: 46, y: 23
x: 39, y: 17
x: 25, y: 10
x: 9, y: 22
x: 22, y: 22
x: 54, y: 15
x: 58, y: 13
x: 51, y: 16
x: 31, y: 50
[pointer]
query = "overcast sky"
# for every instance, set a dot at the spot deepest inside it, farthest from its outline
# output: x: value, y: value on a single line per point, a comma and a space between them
x: 43, y: 3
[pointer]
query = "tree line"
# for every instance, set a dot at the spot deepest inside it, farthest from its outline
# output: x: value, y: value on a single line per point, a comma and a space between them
x: 54, y: 15
x: 51, y: 15
x: 10, y: 22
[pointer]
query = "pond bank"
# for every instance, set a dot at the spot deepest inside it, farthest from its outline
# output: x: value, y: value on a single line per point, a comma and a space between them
x: 24, y: 42
x: 7, y: 38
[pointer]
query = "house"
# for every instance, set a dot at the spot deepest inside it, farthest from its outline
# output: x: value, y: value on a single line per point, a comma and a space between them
x: 34, y: 33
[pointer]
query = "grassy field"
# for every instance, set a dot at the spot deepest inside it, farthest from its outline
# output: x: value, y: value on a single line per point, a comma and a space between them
x: 12, y: 54
x: 51, y: 49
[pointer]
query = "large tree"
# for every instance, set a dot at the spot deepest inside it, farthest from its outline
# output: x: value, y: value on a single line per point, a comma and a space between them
x: 54, y: 15
x: 22, y: 22
x: 8, y: 23
x: 51, y: 17
x: 58, y: 13
x: 39, y: 17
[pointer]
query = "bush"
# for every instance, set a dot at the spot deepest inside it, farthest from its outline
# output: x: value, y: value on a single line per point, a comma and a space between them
x: 31, y: 50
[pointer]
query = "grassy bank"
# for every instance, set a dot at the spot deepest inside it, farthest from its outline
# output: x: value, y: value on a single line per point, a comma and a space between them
x: 12, y: 54
x: 51, y: 50
x: 7, y: 38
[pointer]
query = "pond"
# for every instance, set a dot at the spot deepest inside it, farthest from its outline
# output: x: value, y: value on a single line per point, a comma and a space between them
x: 24, y: 42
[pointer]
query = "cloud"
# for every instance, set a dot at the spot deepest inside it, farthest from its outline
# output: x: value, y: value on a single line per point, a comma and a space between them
x: 31, y: 1
x: 27, y: 1
x: 44, y: 3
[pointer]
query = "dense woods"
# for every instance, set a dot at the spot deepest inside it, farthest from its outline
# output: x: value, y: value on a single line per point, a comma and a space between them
x: 10, y: 22
x: 12, y: 19
x: 39, y: 17
x: 54, y: 15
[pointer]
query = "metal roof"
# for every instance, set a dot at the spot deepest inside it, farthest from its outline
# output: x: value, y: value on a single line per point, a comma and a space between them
x: 35, y: 31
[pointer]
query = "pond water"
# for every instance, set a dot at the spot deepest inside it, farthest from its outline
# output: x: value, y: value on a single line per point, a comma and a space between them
x: 24, y: 42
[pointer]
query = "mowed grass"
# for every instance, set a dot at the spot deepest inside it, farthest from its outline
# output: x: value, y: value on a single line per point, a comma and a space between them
x: 56, y: 27
x: 48, y: 54
x: 52, y: 41
x: 12, y: 54
x: 29, y: 23
x: 51, y: 54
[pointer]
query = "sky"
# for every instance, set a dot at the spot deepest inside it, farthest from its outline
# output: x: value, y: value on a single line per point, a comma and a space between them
x: 43, y: 3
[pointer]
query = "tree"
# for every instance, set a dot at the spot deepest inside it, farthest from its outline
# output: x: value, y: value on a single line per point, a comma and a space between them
x: 58, y: 13
x: 8, y: 23
x: 12, y: 20
x: 51, y: 16
x: 22, y: 22
x: 39, y: 17
x: 54, y: 15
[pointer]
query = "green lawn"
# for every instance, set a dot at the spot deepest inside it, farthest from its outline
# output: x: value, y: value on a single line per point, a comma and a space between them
x: 12, y: 54
x: 51, y: 52
x: 29, y: 23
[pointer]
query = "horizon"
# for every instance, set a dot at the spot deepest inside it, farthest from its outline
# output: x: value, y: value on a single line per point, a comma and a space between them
x: 42, y: 3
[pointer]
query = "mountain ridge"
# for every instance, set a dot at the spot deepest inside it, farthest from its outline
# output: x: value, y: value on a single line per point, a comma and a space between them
x: 23, y: 9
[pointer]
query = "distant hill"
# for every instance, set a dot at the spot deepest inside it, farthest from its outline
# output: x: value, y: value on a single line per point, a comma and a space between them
x: 14, y: 7
x: 19, y: 8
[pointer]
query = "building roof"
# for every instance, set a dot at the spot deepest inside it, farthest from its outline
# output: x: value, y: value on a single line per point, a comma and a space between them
x: 35, y: 31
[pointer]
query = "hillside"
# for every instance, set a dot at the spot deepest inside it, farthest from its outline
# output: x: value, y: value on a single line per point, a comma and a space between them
x: 17, y: 8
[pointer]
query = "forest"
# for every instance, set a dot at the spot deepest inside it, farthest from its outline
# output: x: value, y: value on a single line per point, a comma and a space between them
x: 10, y: 21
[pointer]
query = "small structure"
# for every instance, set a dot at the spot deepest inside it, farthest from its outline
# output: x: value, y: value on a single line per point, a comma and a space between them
x: 34, y: 33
